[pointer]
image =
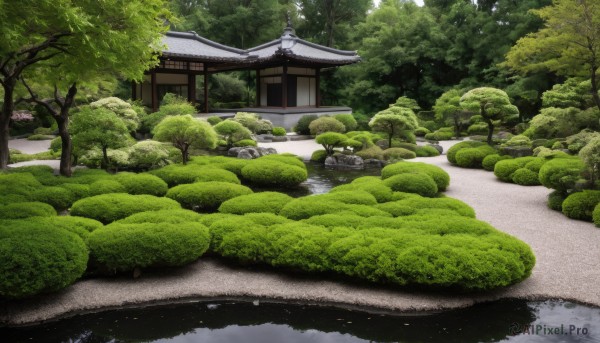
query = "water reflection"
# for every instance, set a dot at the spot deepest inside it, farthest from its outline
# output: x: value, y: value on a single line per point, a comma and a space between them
x: 245, y: 322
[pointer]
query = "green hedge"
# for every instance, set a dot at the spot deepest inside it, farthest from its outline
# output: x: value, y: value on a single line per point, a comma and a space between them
x: 398, y: 154
x: 418, y: 183
x: 306, y: 207
x: 427, y: 151
x: 20, y: 210
x: 451, y: 153
x: 473, y: 157
x: 337, y: 220
x: 77, y: 225
x: 107, y: 208
x: 278, y: 131
x: 34, y: 259
x: 142, y: 184
x: 20, y: 184
x: 176, y: 174
x: 440, y: 176
x: 106, y: 187
x: 419, y: 203
x: 274, y: 173
x: 122, y: 247
x: 505, y: 169
x: 206, y: 196
x: 555, y: 200
x: 375, y: 187
x: 439, y: 135
x: 284, y: 158
x: 271, y: 202
x: 358, y: 197
x: 489, y: 162
x: 77, y: 190
x: 596, y: 215
x: 581, y: 205
x: 57, y: 197
x: 162, y: 216
x: 561, y: 173
x: 525, y: 177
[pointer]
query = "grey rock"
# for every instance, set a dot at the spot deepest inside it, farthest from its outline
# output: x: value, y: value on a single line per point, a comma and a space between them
x: 341, y: 160
x: 280, y: 139
x: 234, y: 151
x: 245, y: 155
x: 374, y: 163
x: 437, y: 147
x: 516, y: 151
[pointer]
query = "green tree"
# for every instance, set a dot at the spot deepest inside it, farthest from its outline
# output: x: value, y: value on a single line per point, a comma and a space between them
x: 491, y: 104
x: 590, y: 155
x: 69, y: 43
x: 571, y: 93
x: 447, y: 107
x: 99, y: 128
x: 568, y: 44
x: 331, y: 140
x: 232, y: 131
x: 394, y: 122
x: 185, y: 132
x: 407, y: 102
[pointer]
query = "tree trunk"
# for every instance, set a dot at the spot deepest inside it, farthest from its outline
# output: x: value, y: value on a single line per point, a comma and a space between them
x: 104, y: 164
x: 390, y: 137
x: 490, y: 131
x: 67, y: 146
x: 7, y: 109
x: 185, y: 154
x: 595, y: 87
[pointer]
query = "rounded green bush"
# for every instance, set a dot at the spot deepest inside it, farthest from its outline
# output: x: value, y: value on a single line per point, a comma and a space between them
x: 439, y: 175
x: 326, y: 124
x: 77, y: 190
x: 561, y: 173
x: 427, y: 151
x: 162, y: 216
x: 206, y: 196
x: 525, y: 177
x: 336, y: 220
x: 419, y: 183
x: 214, y: 120
x: 36, y: 260
x: 319, y: 156
x: 351, y: 197
x: 290, y: 159
x: 395, y: 209
x: 439, y: 135
x: 77, y: 225
x: 306, y: 207
x: 596, y: 216
x: 175, y: 174
x: 142, y: 184
x: 58, y: 197
x: 272, y: 173
x: 536, y: 164
x: 451, y: 153
x: 489, y: 162
x: 398, y: 153
x: 302, y: 127
x: 455, y: 205
x: 245, y: 142
x: 372, y: 152
x: 20, y: 210
x: 122, y: 247
x: 107, y: 208
x: 504, y: 169
x: 266, y: 219
x: 555, y: 200
x: 233, y: 165
x: 279, y: 131
x: 348, y: 121
x: 271, y: 202
x: 473, y: 157
x: 381, y: 192
x: 105, y: 187
x: 18, y: 183
x: 580, y: 205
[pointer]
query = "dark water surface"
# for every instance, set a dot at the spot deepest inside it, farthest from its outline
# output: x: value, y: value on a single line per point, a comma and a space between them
x: 501, y: 321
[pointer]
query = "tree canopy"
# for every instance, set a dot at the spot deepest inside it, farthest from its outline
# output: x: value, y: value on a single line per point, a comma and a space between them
x: 185, y: 132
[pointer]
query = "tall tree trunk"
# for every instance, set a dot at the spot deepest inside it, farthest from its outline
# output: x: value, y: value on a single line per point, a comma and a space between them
x: 390, y: 137
x: 104, y: 164
x: 66, y: 146
x: 185, y: 154
x: 490, y: 131
x: 7, y: 110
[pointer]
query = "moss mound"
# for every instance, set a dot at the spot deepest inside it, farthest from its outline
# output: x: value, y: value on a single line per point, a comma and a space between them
x: 270, y: 202
x: 441, y: 178
x: 274, y: 173
x: 206, y: 196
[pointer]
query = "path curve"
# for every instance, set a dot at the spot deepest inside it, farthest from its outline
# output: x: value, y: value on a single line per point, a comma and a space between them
x: 567, y: 252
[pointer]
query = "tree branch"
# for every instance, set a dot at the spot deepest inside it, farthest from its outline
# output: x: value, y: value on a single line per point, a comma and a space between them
x: 36, y: 100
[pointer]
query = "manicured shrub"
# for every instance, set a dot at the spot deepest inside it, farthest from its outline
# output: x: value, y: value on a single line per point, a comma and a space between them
x: 419, y: 183
x: 348, y: 120
x: 505, y: 169
x: 525, y: 177
x: 36, y: 260
x: 426, y: 151
x: 451, y: 153
x: 77, y: 225
x: 26, y: 209
x: 306, y: 207
x: 440, y: 203
x: 336, y: 220
x: 440, y: 176
x: 555, y: 200
x: 148, y: 154
x: 489, y: 162
x: 372, y: 152
x: 214, y: 120
x: 124, y: 247
x: 473, y: 157
x: 271, y: 173
x: 302, y: 127
x: 6, y: 199
x: 596, y: 216
x: 319, y: 156
x: 561, y: 173
x: 57, y: 197
x: 105, y: 187
x: 78, y: 191
x: 245, y: 142
x: 284, y: 158
x: 395, y: 209
x: 279, y: 131
x: 206, y: 196
x: 380, y: 191
x: 162, y: 216
x: 580, y: 205
x: 326, y: 124
x: 142, y: 184
x: 175, y: 175
x: 271, y: 202
x: 21, y: 183
x: 421, y: 131
x: 87, y: 176
x: 439, y: 135
x: 351, y: 197
x: 107, y: 208
x: 398, y: 154
x: 536, y: 164
x: 266, y: 219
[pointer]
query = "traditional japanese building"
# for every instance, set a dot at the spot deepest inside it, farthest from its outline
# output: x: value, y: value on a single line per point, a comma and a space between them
x: 288, y: 73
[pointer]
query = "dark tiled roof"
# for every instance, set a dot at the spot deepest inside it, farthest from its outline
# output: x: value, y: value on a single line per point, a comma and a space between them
x: 289, y: 46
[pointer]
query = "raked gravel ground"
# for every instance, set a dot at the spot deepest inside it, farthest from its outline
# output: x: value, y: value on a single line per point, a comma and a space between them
x: 567, y: 267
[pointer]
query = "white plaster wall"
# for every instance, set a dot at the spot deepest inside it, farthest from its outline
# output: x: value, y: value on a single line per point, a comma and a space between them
x: 303, y: 91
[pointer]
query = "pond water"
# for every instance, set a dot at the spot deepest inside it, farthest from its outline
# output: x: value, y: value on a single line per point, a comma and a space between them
x: 501, y: 321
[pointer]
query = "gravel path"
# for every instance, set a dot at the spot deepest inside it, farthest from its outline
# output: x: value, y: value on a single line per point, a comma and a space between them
x: 29, y: 147
x: 567, y: 251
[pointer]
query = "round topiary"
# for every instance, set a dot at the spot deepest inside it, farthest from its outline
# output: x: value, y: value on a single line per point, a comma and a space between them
x: 245, y: 142
x: 348, y: 121
x: 555, y: 200
x: 21, y: 183
x: 381, y: 192
x: 175, y: 175
x: 271, y: 202
x: 284, y: 158
x: 473, y: 157
x: 561, y: 173
x: 279, y: 131
x: 162, y: 216
x: 504, y: 169
x: 214, y: 120
x: 451, y: 153
x: 318, y: 156
x: 536, y: 164
x: 78, y: 191
x: 36, y: 260
x: 439, y: 175
x: 581, y: 205
x: 122, y: 247
x: 107, y: 208
x: 105, y: 187
x: 303, y: 123
x: 398, y: 154
x: 489, y: 162
x: 427, y: 151
x: 58, y: 197
x: 26, y: 209
x: 358, y: 197
x: 419, y: 183
x: 206, y: 196
x: 525, y: 177
x: 326, y: 124
x: 273, y: 173
x: 142, y: 184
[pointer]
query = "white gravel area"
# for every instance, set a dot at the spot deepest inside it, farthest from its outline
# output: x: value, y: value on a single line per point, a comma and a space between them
x: 29, y: 147
x: 303, y: 148
x: 567, y: 252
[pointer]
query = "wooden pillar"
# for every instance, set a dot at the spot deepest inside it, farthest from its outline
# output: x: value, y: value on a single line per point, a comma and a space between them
x: 133, y: 90
x: 258, y: 95
x: 284, y: 86
x: 205, y: 72
x: 154, y: 92
x: 192, y: 89
x: 318, y: 88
